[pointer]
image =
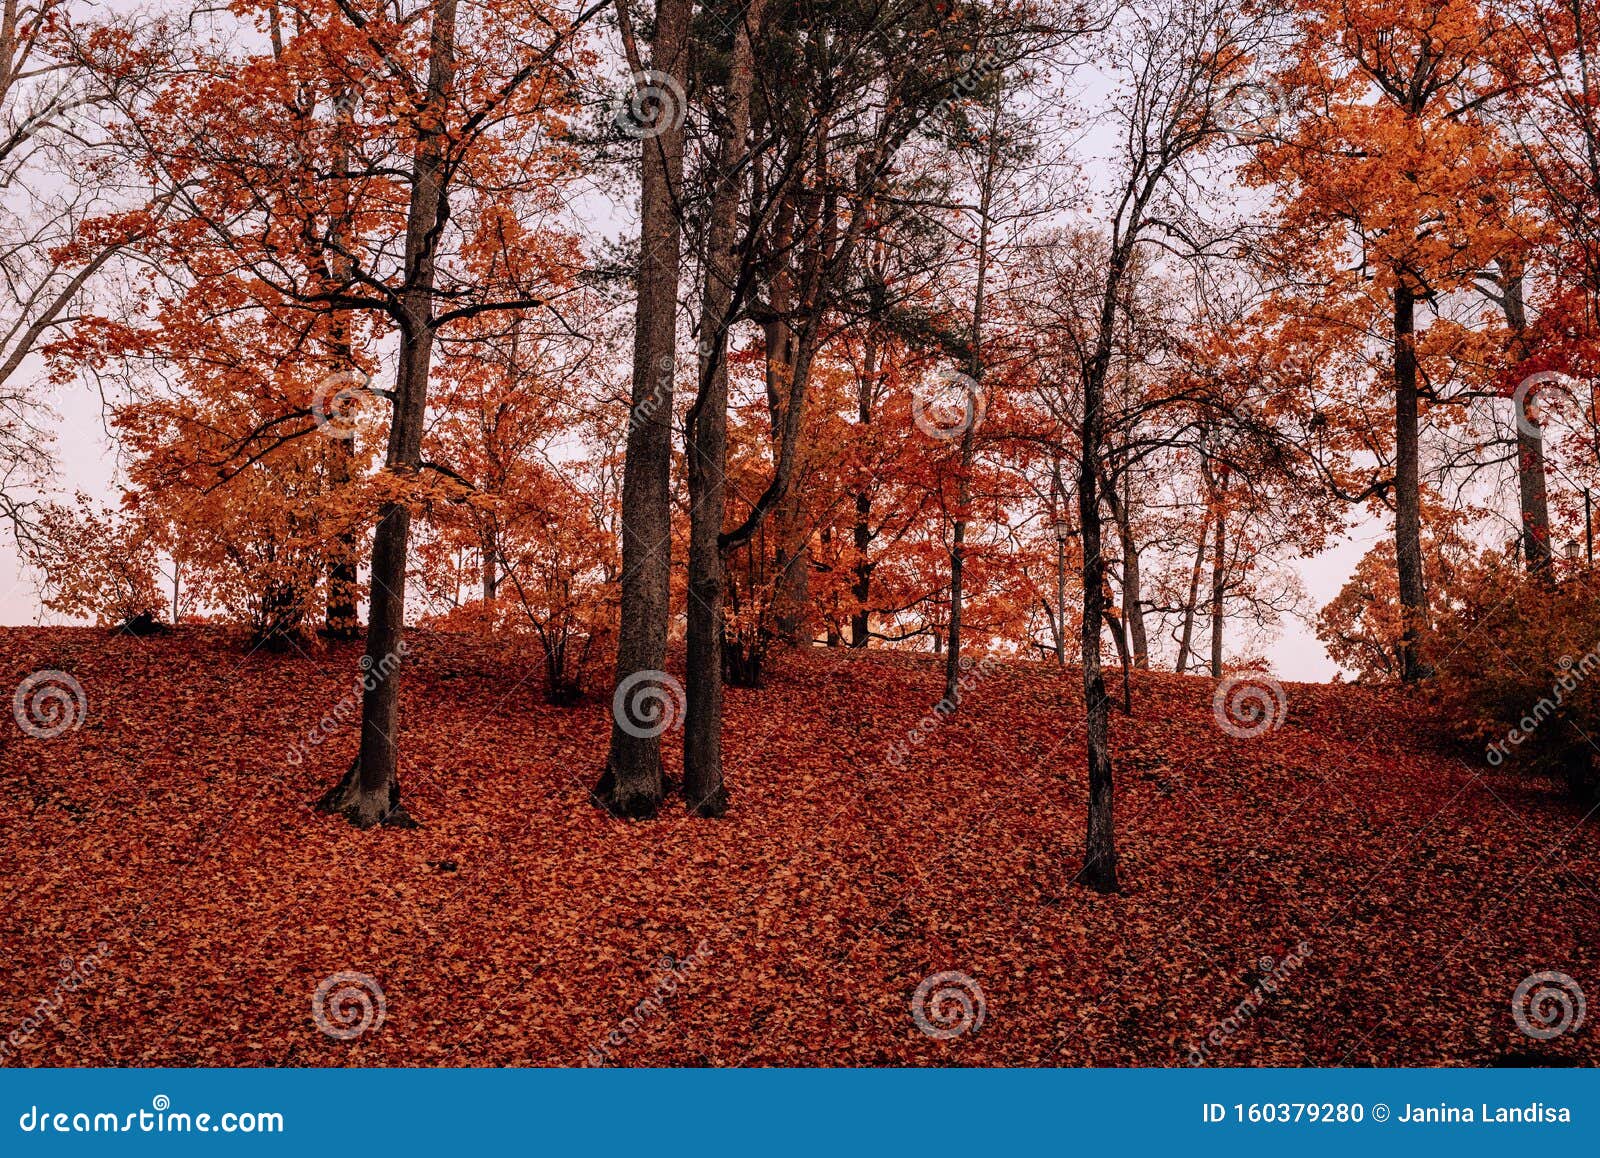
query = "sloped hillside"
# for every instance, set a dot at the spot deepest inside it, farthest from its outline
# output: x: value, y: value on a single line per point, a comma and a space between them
x: 1329, y: 890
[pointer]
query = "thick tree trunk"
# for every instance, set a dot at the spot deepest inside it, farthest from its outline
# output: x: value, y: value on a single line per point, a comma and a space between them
x: 706, y: 448
x: 369, y: 794
x: 1408, y: 489
x: 631, y: 784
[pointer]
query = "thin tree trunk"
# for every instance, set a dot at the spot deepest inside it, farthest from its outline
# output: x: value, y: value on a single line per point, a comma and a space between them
x: 369, y: 794
x: 860, y: 621
x: 1408, y: 492
x: 1100, y: 856
x: 341, y: 619
x: 1132, y: 598
x: 1057, y: 528
x: 1191, y: 606
x: 631, y: 784
x: 491, y: 563
x: 1132, y: 591
x: 969, y: 433
x: 1530, y: 443
x: 706, y: 448
x: 1219, y: 587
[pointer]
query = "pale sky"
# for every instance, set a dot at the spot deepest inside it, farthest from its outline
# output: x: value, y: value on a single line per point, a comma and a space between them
x: 87, y: 462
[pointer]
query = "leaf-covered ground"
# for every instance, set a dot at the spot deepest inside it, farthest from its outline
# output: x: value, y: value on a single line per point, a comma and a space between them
x: 520, y: 926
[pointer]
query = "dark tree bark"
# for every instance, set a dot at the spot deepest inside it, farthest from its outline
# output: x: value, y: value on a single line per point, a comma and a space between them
x: 1407, y: 488
x: 1132, y: 596
x: 631, y: 785
x: 861, y: 590
x: 340, y: 619
x: 1531, y: 493
x: 1192, y: 604
x: 706, y: 448
x: 1219, y: 588
x: 969, y: 431
x: 490, y: 558
x: 369, y: 794
x: 1100, y: 854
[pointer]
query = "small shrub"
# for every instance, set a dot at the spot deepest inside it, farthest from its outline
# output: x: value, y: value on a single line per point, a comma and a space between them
x: 1518, y: 662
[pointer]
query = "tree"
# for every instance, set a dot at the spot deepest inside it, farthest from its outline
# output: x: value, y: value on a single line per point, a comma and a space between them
x: 1180, y: 64
x: 631, y: 784
x: 424, y: 134
x: 1387, y: 158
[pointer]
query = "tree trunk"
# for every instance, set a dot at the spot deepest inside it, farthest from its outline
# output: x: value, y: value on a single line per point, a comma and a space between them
x: 861, y: 591
x: 1530, y: 442
x: 490, y: 558
x: 340, y: 618
x: 369, y: 794
x: 969, y: 433
x: 706, y: 444
x: 1219, y: 587
x: 1408, y: 490
x: 1058, y: 529
x: 792, y: 599
x: 1191, y: 606
x: 631, y: 784
x: 1132, y: 598
x: 1100, y: 856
